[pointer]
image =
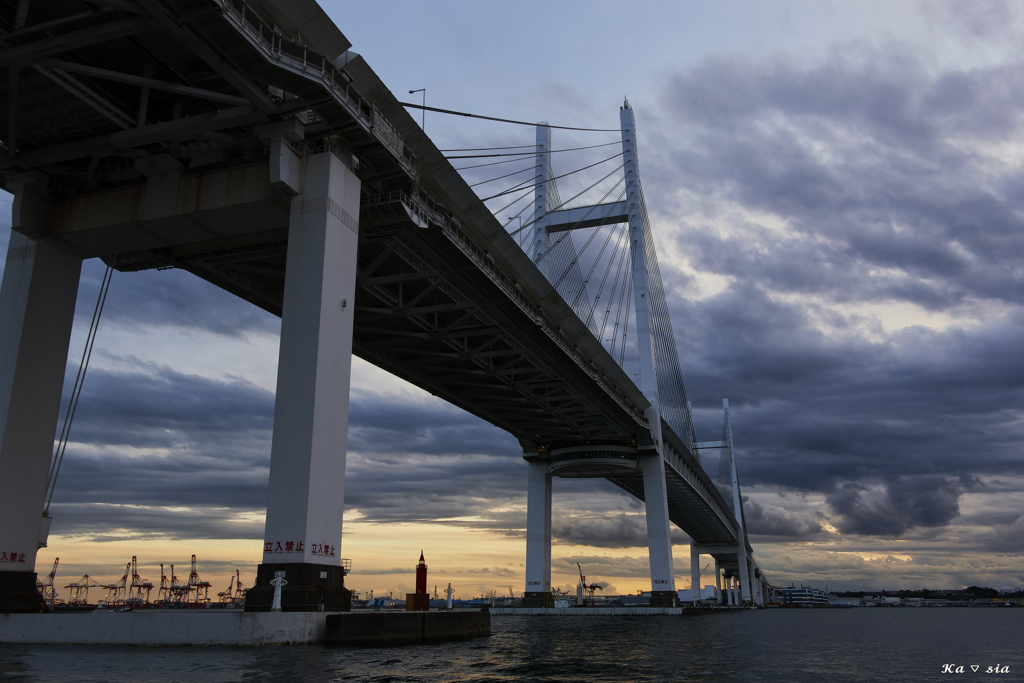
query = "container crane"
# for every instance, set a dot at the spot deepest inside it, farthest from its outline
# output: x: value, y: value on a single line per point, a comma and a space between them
x: 79, y: 591
x: 46, y: 587
x: 117, y: 591
x: 196, y: 584
x: 138, y: 587
x: 585, y: 591
x: 239, y: 590
x: 179, y: 592
x: 163, y: 594
x: 229, y: 594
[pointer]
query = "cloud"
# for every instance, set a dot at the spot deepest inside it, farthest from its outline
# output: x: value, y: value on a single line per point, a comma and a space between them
x: 896, y: 506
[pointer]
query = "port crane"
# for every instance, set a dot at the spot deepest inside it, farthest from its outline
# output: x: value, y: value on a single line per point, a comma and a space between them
x: 196, y: 584
x: 163, y: 593
x: 117, y: 591
x: 585, y: 591
x: 234, y: 593
x: 79, y: 591
x: 140, y: 588
x: 179, y: 592
x: 46, y: 587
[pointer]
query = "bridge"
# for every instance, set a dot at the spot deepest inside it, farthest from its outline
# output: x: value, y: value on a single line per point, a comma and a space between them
x: 246, y: 143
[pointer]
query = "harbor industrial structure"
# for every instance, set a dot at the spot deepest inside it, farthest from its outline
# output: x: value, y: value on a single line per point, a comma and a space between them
x: 247, y: 144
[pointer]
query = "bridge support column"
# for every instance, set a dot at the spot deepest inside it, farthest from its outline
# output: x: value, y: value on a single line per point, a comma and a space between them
x: 37, y: 308
x: 718, y: 583
x: 745, y: 573
x: 538, y: 537
x: 659, y: 540
x: 694, y: 572
x: 306, y: 498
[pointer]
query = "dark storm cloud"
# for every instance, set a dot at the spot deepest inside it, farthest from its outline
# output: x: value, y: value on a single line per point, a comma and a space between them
x: 867, y: 177
x: 900, y: 505
x: 775, y: 521
x: 105, y: 523
x: 878, y: 166
x: 148, y: 439
x: 156, y: 453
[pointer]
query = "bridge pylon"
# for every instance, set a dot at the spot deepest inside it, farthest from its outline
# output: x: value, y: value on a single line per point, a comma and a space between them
x: 659, y: 463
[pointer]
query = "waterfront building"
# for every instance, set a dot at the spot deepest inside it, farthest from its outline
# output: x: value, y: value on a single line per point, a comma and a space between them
x: 804, y: 596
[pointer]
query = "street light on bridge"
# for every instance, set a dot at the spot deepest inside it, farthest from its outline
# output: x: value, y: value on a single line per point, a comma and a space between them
x: 424, y: 110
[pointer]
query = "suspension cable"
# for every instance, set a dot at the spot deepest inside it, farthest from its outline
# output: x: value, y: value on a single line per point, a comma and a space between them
x: 550, y: 151
x: 522, y: 170
x: 484, y: 149
x: 76, y: 390
x: 592, y: 236
x: 521, y: 123
x: 558, y: 176
x: 569, y: 231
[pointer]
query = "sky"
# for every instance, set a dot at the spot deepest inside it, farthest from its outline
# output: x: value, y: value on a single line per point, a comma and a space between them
x: 836, y: 192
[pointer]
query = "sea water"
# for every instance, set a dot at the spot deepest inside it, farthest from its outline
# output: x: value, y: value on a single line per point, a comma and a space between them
x: 861, y: 644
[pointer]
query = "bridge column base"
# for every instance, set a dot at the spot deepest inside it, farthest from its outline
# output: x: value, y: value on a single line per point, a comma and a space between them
x: 664, y: 599
x: 538, y: 599
x: 18, y: 593
x: 307, y: 590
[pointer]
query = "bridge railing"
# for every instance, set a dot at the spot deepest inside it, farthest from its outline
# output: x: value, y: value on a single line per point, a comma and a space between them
x: 316, y: 66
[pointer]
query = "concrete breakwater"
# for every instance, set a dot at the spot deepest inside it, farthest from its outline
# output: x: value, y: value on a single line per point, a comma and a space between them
x: 386, y: 629
x: 165, y: 628
x: 162, y: 628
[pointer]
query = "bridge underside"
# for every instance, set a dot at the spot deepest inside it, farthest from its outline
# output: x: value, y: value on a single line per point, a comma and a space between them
x: 426, y: 312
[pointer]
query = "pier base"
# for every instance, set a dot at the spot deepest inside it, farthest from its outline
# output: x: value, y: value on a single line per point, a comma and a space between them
x: 18, y: 593
x: 310, y: 588
x: 538, y: 599
x: 664, y: 599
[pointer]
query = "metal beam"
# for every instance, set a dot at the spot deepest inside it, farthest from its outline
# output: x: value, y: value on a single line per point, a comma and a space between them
x: 141, y: 81
x: 89, y: 96
x: 72, y: 41
x: 104, y: 145
x: 177, y: 26
x: 586, y: 217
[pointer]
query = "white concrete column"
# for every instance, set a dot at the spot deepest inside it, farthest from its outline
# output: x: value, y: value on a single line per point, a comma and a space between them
x: 538, y: 528
x: 37, y: 308
x: 306, y: 499
x: 718, y: 581
x: 731, y: 581
x: 541, y: 201
x: 659, y: 540
x: 695, y: 571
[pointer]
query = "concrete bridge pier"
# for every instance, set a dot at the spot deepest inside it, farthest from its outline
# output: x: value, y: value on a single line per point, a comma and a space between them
x: 306, y: 498
x: 659, y: 540
x: 538, y: 536
x: 37, y: 308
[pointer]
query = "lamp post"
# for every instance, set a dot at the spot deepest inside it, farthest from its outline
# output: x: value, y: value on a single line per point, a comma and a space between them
x: 424, y: 110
